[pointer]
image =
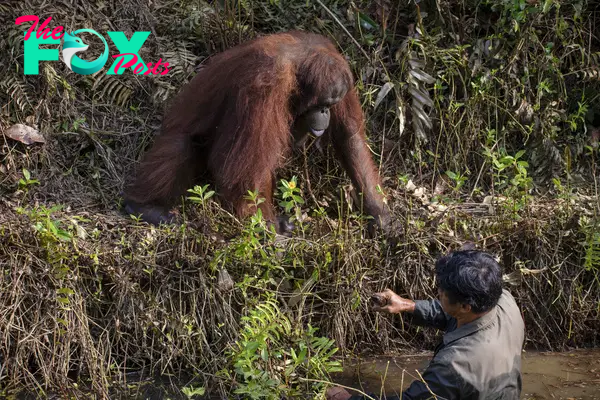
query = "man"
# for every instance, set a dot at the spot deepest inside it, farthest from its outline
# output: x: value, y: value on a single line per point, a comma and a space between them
x: 480, y: 354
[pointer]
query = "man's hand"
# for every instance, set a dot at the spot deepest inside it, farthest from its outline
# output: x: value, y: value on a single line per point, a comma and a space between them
x: 389, y: 302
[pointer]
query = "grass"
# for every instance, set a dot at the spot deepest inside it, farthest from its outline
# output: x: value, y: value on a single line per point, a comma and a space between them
x: 479, y: 116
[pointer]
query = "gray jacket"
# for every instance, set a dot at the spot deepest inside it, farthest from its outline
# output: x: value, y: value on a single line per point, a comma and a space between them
x: 479, y: 360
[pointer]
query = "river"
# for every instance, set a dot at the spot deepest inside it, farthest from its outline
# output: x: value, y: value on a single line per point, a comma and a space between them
x: 567, y: 375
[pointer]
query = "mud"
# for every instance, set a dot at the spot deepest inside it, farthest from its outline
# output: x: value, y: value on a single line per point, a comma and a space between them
x: 568, y: 375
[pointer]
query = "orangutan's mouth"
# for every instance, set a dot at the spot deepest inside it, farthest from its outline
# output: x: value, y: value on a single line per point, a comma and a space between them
x: 316, y: 132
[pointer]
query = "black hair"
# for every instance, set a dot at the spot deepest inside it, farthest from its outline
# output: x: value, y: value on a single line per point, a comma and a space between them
x: 470, y: 277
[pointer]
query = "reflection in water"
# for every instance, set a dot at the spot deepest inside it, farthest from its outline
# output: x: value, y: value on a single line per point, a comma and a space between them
x: 570, y: 375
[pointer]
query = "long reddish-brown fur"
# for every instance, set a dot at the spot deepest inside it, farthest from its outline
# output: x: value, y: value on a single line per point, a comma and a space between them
x: 233, y: 121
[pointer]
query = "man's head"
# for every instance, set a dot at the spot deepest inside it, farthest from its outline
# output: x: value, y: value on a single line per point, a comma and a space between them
x: 469, y: 282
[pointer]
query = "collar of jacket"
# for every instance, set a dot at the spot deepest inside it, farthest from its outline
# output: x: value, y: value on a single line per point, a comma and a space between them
x: 472, y: 327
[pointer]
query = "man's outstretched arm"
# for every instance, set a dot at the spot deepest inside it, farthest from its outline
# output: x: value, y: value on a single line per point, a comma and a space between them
x: 424, y: 312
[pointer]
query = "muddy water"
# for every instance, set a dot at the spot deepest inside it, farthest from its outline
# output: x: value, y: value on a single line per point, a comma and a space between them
x: 570, y: 375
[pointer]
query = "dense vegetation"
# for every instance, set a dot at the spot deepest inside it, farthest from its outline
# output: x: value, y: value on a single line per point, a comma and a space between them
x: 482, y: 115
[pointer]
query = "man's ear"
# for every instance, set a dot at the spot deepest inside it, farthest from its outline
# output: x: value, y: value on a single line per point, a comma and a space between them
x: 466, y: 308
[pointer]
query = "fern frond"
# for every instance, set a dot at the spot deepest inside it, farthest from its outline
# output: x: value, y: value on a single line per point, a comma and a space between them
x: 163, y: 90
x: 181, y: 62
x: 589, y: 74
x: 114, y: 90
x: 592, y: 248
x: 17, y: 92
x: 546, y: 157
x: 420, y: 97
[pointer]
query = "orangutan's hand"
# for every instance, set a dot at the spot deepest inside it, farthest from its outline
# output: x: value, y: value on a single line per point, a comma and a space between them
x: 337, y: 393
x: 389, y: 302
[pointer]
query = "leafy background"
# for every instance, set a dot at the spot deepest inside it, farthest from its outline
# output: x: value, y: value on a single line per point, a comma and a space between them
x: 482, y: 117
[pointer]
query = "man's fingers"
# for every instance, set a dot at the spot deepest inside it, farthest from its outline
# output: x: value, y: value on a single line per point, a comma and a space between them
x: 382, y: 309
x: 387, y: 293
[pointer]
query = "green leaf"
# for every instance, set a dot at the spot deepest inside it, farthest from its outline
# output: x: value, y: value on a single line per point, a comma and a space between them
x: 64, y: 236
x: 302, y: 355
x: 191, y: 391
x: 366, y: 22
x: 251, y: 347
